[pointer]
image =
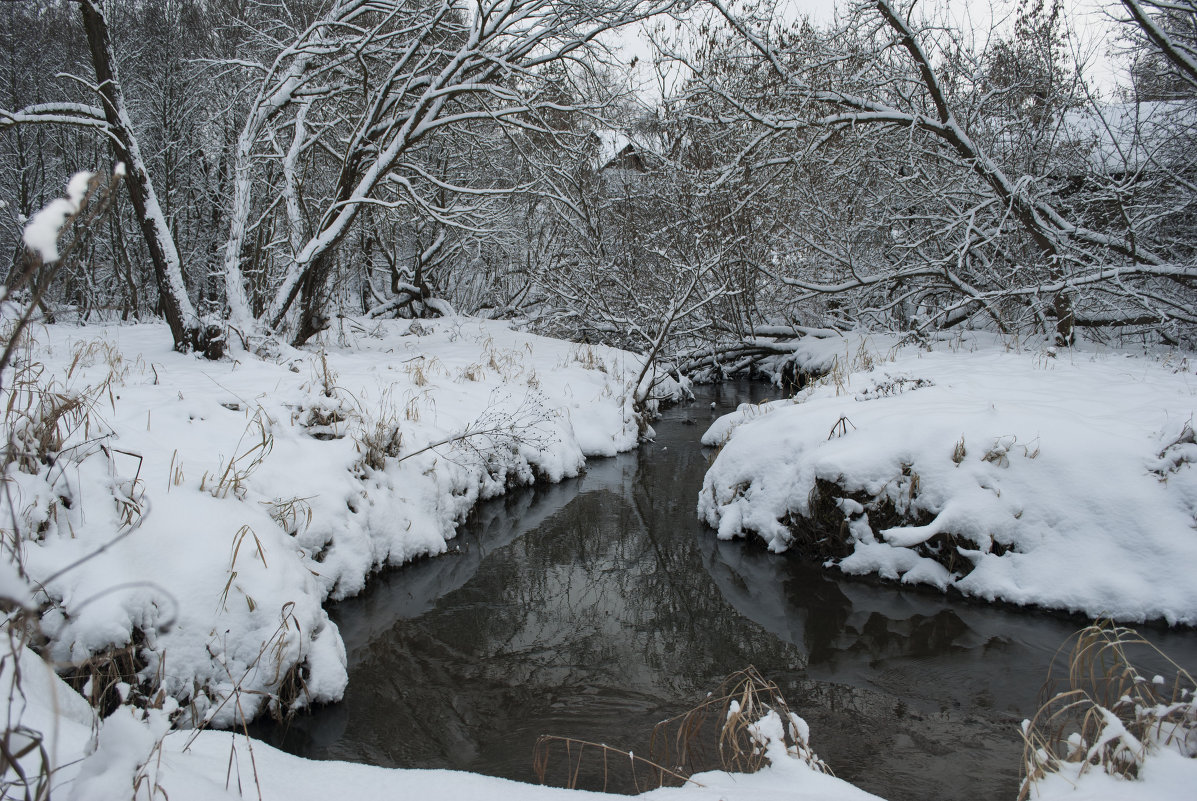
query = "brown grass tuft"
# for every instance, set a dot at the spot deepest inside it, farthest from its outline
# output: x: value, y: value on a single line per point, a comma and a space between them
x: 732, y: 729
x: 1103, y: 713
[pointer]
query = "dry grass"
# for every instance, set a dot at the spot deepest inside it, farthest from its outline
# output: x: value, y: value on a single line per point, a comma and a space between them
x: 840, y: 428
x: 324, y: 378
x: 110, y: 678
x: 843, y: 367
x: 293, y: 515
x: 413, y: 410
x: 1103, y: 713
x: 87, y: 354
x: 732, y: 729
x: 288, y: 690
x: 735, y: 711
x: 999, y: 453
x: 418, y: 377
x: 643, y: 773
x: 239, y: 540
x: 421, y: 370
x: 41, y: 414
x: 255, y: 444
x: 586, y: 356
x: 377, y: 436
x: 25, y: 764
x: 473, y: 372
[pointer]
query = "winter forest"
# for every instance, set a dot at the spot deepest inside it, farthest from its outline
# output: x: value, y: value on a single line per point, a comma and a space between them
x: 842, y: 349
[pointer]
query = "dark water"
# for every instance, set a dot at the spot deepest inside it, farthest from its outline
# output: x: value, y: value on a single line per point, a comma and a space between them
x: 597, y: 607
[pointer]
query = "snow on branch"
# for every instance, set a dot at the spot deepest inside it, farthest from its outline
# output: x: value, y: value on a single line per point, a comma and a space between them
x: 43, y: 229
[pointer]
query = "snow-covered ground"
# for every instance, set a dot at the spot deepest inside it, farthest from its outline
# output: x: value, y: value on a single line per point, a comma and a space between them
x: 200, y: 514
x: 204, y: 511
x: 1061, y: 480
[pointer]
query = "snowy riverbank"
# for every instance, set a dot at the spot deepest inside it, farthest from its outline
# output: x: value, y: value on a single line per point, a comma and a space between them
x: 1061, y: 480
x: 134, y: 755
x: 187, y: 519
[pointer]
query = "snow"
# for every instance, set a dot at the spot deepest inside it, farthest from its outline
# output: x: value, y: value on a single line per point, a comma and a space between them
x: 162, y: 521
x: 43, y: 229
x: 1167, y: 772
x: 13, y: 587
x: 1063, y: 482
x: 203, y: 512
x: 1167, y: 775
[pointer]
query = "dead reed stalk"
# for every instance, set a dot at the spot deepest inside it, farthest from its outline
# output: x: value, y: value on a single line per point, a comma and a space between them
x: 737, y: 729
x: 1104, y: 713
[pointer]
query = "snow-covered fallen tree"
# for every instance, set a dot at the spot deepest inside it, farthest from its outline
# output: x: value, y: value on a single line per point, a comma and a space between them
x: 1062, y: 481
x: 185, y: 520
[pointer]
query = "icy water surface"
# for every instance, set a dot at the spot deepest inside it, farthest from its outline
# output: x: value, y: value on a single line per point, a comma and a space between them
x: 597, y: 607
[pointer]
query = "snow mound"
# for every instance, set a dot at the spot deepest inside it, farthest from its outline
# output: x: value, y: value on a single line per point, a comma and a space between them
x: 1062, y: 482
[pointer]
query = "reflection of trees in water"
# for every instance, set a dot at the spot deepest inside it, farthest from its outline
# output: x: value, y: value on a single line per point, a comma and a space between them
x: 698, y: 634
x: 600, y: 594
x: 840, y: 621
x: 599, y: 622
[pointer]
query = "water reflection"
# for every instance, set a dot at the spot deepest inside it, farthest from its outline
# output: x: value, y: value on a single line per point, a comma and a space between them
x: 599, y: 606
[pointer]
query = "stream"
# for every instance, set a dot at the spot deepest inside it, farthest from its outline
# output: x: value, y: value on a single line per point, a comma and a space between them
x: 597, y: 607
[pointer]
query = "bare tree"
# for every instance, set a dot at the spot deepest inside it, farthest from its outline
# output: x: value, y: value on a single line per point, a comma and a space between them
x: 366, y: 87
x: 113, y: 119
x: 383, y: 105
x: 959, y: 218
x: 1171, y: 27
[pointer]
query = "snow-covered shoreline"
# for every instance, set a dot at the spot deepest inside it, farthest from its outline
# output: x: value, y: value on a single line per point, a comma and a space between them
x: 215, y: 506
x: 133, y: 754
x: 164, y: 526
x: 1059, y: 480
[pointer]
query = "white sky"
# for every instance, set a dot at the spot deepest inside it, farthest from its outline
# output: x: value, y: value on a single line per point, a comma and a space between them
x: 1092, y: 20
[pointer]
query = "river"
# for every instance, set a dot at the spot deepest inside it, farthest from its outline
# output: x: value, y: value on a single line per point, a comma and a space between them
x: 597, y: 607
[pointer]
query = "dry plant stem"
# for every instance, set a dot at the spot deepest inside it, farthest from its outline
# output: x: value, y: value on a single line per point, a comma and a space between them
x: 276, y: 643
x: 544, y: 743
x: 18, y: 741
x: 1107, y: 714
x: 681, y: 746
x: 741, y: 700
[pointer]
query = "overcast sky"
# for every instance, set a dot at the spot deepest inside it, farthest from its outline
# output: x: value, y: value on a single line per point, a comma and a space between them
x: 1093, y: 21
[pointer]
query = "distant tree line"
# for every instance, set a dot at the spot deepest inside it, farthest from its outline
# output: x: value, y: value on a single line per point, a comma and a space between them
x: 289, y: 162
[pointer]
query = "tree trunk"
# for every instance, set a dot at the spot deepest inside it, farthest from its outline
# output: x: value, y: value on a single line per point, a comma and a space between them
x: 185, y: 326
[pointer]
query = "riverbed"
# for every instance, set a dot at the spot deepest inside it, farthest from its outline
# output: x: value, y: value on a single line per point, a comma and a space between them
x: 597, y: 607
